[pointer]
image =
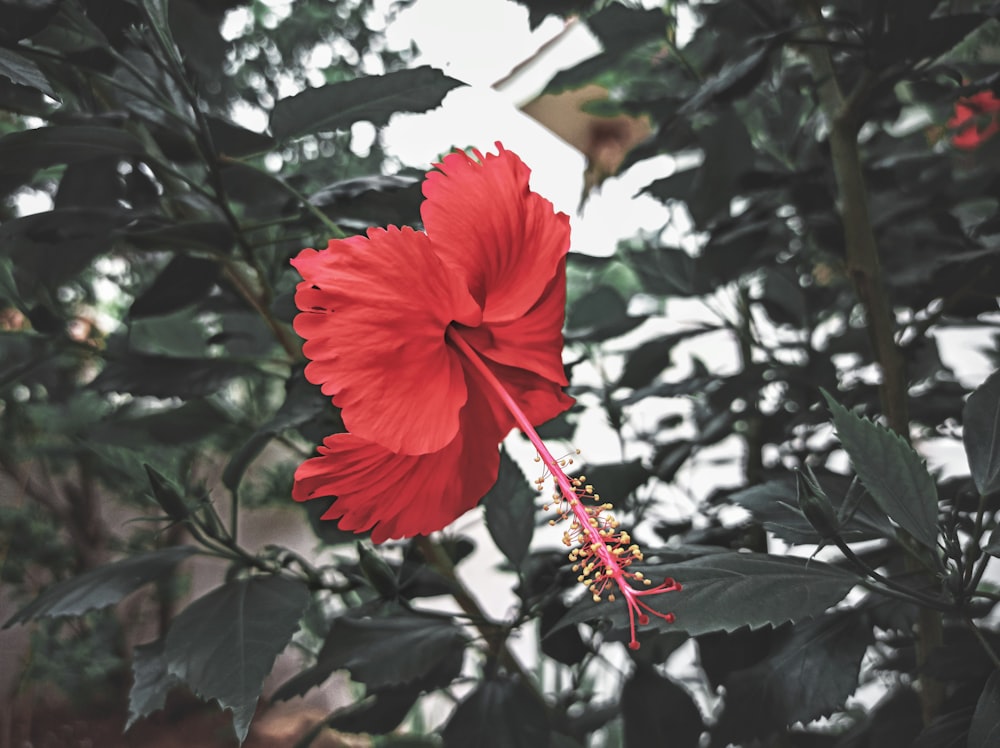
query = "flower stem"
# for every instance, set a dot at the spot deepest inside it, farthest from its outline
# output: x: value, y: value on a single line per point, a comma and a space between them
x: 605, y: 553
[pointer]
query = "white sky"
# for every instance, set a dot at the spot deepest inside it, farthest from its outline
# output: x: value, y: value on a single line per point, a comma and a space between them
x: 480, y: 43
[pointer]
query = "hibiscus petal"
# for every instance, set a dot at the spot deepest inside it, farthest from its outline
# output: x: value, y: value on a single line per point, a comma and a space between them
x: 374, y: 312
x: 398, y: 496
x: 532, y: 342
x: 486, y: 223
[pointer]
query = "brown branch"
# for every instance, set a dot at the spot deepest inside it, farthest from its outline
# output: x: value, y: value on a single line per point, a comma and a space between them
x: 844, y: 119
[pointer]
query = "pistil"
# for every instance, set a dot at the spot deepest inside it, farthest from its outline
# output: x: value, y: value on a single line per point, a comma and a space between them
x: 601, y: 553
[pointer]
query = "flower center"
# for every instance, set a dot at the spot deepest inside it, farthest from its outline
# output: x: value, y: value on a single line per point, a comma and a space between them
x: 601, y: 553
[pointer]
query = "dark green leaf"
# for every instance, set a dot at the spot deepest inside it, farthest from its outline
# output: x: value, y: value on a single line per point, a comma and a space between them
x: 808, y: 673
x: 224, y: 643
x: 167, y: 376
x: 499, y: 714
x: 151, y: 681
x: 237, y: 142
x: 337, y: 106
x: 657, y: 711
x: 621, y: 28
x: 981, y: 434
x: 616, y: 481
x: 917, y: 39
x: 30, y: 150
x: 599, y: 315
x: 984, y: 732
x: 725, y: 591
x: 733, y: 81
x: 157, y: 236
x: 892, y: 471
x: 510, y: 511
x: 728, y: 155
x: 646, y: 362
x: 103, y: 586
x: 183, y: 281
x: 52, y: 247
x: 23, y: 71
x: 386, y: 651
x: 667, y: 271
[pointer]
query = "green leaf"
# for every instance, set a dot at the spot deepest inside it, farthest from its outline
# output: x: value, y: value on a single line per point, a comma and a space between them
x: 151, y: 681
x: 103, y: 586
x: 390, y: 651
x: 984, y: 731
x: 894, y: 474
x: 599, y: 315
x: 224, y: 643
x: 648, y: 361
x: 981, y: 434
x: 657, y: 711
x: 337, y: 106
x: 23, y: 71
x: 499, y: 714
x: 167, y: 376
x: 30, y: 150
x: 510, y: 511
x: 726, y: 591
x: 808, y: 674
x: 183, y: 281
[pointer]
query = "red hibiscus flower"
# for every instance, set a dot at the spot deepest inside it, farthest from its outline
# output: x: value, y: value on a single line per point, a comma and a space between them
x: 380, y: 315
x: 975, y: 121
x: 435, y: 345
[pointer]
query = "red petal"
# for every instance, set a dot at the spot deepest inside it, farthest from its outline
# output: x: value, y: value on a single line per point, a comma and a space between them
x: 532, y: 342
x: 397, y: 496
x: 374, y: 313
x: 486, y: 223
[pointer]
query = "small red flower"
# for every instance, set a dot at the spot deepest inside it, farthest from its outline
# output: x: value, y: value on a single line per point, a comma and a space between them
x: 976, y: 119
x: 379, y: 314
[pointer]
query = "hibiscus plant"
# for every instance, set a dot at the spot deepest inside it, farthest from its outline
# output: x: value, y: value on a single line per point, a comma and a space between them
x: 786, y: 537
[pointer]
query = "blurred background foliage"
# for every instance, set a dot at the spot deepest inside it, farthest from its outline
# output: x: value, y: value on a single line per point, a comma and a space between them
x: 834, y: 218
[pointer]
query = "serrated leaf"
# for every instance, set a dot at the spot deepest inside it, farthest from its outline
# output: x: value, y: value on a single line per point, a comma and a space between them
x: 894, y: 474
x: 389, y: 651
x: 809, y: 673
x: 337, y: 106
x: 224, y: 643
x: 981, y: 434
x: 151, y: 681
x: 28, y: 151
x: 499, y: 714
x: 726, y: 591
x: 510, y: 511
x: 657, y: 711
x: 24, y: 72
x: 103, y: 586
x: 984, y: 732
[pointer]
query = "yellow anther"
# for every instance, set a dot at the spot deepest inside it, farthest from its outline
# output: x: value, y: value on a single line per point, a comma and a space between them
x: 639, y: 575
x: 597, y: 598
